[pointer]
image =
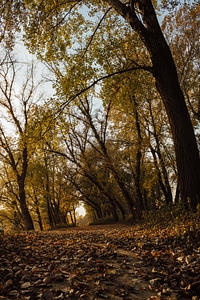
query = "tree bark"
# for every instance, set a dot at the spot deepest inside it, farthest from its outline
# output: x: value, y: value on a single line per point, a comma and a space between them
x: 39, y: 218
x: 166, y: 79
x: 28, y: 222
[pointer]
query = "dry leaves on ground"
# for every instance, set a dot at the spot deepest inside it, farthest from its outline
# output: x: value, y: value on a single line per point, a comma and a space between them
x: 100, y: 262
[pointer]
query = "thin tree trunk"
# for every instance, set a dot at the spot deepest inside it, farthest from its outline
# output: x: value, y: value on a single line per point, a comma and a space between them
x: 168, y: 199
x: 165, y: 186
x: 121, y: 209
x: 49, y: 213
x: 138, y: 192
x: 176, y: 198
x: 113, y: 211
x: 39, y: 218
x: 36, y: 202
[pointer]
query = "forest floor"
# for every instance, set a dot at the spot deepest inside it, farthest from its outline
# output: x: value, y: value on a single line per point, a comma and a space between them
x: 101, y: 262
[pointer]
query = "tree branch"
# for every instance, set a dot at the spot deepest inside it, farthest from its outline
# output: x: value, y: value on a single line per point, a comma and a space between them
x: 97, y: 27
x: 147, y: 68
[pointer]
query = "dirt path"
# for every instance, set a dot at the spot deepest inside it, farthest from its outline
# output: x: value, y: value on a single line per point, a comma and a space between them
x: 100, y: 262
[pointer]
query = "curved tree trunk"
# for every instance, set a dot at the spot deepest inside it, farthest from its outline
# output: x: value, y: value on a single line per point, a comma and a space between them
x: 166, y: 78
x: 186, y: 150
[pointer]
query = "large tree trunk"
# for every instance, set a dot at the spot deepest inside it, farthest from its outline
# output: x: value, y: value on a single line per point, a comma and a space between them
x: 165, y: 74
x: 187, y: 154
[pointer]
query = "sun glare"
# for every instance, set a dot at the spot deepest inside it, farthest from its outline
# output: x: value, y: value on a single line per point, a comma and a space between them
x: 81, y: 211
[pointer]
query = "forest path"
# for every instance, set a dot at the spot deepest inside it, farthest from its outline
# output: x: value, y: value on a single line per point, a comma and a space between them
x: 101, y: 262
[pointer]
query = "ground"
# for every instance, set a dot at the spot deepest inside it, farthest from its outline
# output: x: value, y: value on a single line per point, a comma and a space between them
x: 101, y: 262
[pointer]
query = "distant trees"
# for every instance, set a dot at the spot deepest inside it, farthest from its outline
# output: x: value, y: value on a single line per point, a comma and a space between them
x: 113, y: 156
x: 53, y: 198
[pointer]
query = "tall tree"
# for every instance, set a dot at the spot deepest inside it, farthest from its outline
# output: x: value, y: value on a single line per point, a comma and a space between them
x: 16, y: 140
x: 142, y: 18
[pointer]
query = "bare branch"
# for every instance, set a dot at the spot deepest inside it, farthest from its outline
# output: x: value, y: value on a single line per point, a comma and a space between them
x: 97, y: 27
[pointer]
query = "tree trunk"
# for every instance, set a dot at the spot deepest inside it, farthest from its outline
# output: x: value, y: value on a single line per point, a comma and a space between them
x: 74, y: 214
x: 113, y: 211
x: 49, y: 212
x: 39, y: 218
x: 186, y: 150
x: 166, y: 191
x: 121, y: 209
x: 137, y: 175
x: 165, y: 186
x: 36, y: 202
x: 166, y: 78
x: 28, y: 222
x: 176, y: 198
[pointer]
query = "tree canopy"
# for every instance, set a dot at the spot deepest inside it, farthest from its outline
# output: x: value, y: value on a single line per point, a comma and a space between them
x: 125, y: 106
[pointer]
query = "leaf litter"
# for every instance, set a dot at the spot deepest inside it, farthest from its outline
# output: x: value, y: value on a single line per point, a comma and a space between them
x: 101, y: 262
